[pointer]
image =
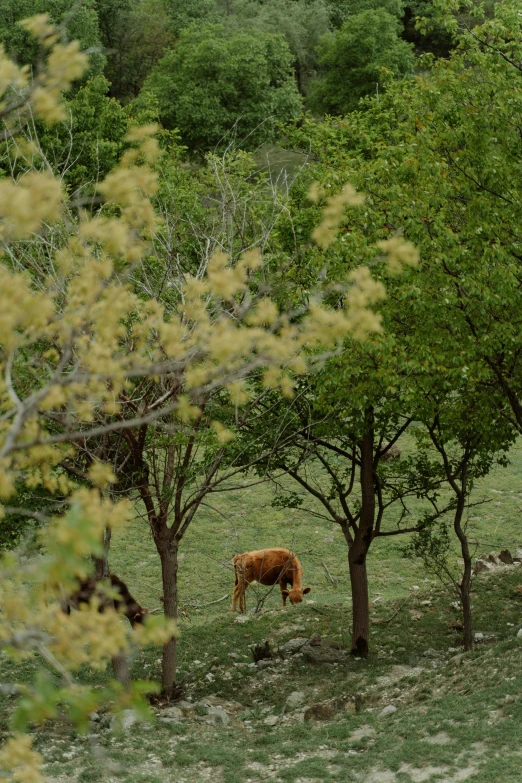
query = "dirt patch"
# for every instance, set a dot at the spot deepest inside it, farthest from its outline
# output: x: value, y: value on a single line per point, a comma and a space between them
x: 421, y: 775
x: 396, y: 674
x: 380, y: 776
x: 438, y: 739
x: 363, y: 732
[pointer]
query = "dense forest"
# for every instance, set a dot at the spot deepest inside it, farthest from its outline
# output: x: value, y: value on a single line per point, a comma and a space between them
x: 222, y: 72
x: 259, y: 252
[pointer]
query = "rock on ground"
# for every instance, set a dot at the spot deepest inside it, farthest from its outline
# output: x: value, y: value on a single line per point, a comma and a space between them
x: 124, y: 720
x: 387, y: 711
x: 293, y: 645
x: 295, y: 699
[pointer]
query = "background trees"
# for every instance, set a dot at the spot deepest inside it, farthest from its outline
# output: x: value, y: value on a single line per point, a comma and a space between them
x: 80, y: 22
x: 213, y: 84
x: 135, y: 36
x: 351, y: 58
x: 301, y: 22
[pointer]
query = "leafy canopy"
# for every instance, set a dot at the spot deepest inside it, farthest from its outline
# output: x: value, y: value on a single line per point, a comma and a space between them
x: 352, y: 59
x: 212, y: 84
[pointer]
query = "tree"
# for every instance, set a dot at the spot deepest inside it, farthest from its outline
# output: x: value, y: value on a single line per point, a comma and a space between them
x: 214, y: 87
x: 80, y: 20
x: 334, y: 439
x: 135, y: 35
x: 301, y: 22
x: 466, y: 454
x: 352, y: 58
x: 83, y: 148
x: 341, y: 10
x: 184, y: 14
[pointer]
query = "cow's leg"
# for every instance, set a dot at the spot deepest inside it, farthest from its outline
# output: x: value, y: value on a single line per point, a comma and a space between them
x: 242, y: 598
x: 239, y: 591
x: 236, y: 597
x: 284, y: 591
x: 237, y: 588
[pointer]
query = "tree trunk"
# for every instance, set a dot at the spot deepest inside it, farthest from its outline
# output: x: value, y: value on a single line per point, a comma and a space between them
x: 120, y: 667
x: 465, y: 584
x: 359, y: 548
x: 360, y: 602
x: 168, y: 552
x: 101, y: 564
x: 298, y: 76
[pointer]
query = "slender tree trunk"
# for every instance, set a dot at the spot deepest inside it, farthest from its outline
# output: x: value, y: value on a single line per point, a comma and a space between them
x: 298, y: 76
x: 465, y: 584
x: 168, y: 552
x: 101, y: 564
x: 360, y: 602
x: 120, y: 667
x: 359, y: 548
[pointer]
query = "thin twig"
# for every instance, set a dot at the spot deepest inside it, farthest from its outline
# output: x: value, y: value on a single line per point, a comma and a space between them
x: 200, y: 606
x: 332, y: 579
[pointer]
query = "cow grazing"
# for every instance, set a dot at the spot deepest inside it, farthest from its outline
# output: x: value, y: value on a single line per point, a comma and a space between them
x: 268, y: 567
x: 125, y: 602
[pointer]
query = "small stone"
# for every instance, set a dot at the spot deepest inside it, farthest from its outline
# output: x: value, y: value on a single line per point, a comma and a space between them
x: 479, y: 636
x: 387, y: 711
x: 124, y: 720
x: 217, y: 716
x: 295, y: 699
x: 430, y: 653
x: 519, y: 634
x: 517, y: 555
x: 95, y: 717
x: 242, y: 618
x: 264, y: 663
x: 271, y: 720
x: 505, y: 557
x: 482, y: 565
x: 293, y: 645
x: 323, y: 651
x: 457, y: 660
x: 319, y: 712
x: 173, y: 713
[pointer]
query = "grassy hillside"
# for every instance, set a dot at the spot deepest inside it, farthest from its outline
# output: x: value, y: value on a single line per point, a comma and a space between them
x: 458, y: 716
x: 243, y: 519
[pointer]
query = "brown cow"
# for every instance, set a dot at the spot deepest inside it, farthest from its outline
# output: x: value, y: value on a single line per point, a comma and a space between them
x: 126, y: 603
x: 267, y: 567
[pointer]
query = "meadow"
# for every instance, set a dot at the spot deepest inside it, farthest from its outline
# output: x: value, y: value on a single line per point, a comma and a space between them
x: 457, y: 716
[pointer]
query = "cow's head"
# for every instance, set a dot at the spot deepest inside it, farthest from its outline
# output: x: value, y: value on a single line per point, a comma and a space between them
x: 137, y: 614
x: 296, y: 594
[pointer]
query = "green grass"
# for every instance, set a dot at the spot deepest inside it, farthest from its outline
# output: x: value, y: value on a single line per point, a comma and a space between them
x: 240, y: 520
x: 473, y: 704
